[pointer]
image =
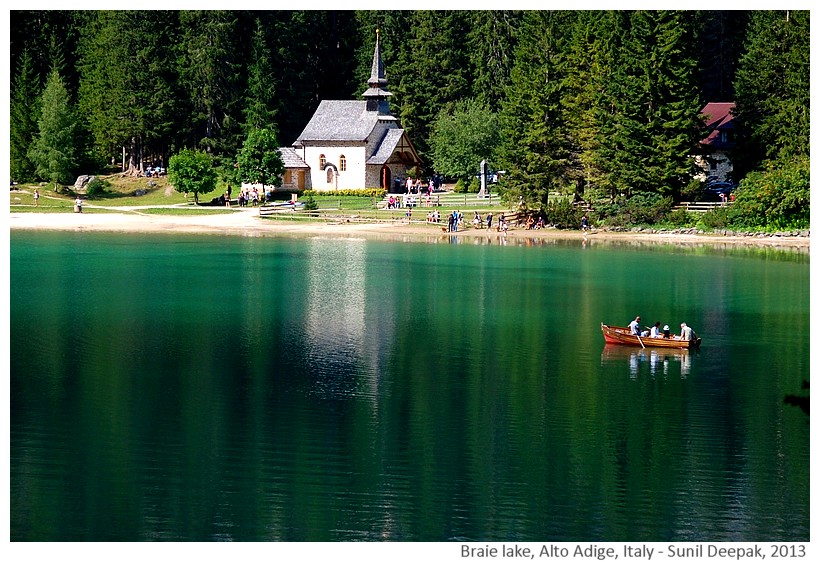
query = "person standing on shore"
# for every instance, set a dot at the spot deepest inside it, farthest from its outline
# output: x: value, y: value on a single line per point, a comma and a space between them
x: 36, y: 197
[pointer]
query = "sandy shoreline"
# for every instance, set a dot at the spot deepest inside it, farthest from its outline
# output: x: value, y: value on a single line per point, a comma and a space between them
x: 246, y: 222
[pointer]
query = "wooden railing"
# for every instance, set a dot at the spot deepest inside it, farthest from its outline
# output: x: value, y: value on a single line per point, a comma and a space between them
x: 700, y: 206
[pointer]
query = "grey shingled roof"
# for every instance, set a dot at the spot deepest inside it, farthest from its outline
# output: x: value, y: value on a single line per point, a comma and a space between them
x: 387, y: 146
x: 291, y: 158
x: 340, y: 120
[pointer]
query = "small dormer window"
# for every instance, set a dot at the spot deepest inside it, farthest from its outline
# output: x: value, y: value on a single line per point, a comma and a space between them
x: 342, y: 163
x: 322, y: 161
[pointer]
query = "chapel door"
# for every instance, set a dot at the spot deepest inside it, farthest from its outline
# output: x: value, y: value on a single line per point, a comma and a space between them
x: 386, y: 178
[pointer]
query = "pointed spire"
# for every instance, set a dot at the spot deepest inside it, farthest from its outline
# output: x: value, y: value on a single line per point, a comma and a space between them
x: 377, y: 82
x: 377, y: 77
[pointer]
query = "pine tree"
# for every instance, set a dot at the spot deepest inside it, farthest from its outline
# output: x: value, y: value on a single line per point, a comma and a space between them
x: 535, y: 148
x: 668, y: 121
x: 260, y: 111
x: 23, y: 116
x: 430, y: 73
x: 586, y: 67
x: 644, y: 123
x: 773, y: 93
x: 127, y: 87
x: 210, y: 72
x: 719, y: 36
x: 314, y: 54
x: 53, y: 151
x: 491, y: 40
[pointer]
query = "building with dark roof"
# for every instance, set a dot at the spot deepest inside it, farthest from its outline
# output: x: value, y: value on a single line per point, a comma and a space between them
x: 716, y: 147
x: 350, y: 144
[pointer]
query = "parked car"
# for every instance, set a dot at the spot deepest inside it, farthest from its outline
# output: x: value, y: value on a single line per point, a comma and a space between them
x: 714, y: 190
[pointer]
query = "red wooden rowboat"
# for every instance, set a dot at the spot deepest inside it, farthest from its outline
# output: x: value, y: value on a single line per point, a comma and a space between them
x: 623, y: 336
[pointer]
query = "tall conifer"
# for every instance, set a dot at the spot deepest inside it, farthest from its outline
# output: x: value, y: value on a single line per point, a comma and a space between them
x: 211, y: 72
x: 127, y: 87
x: 53, y: 151
x: 430, y: 72
x: 773, y: 92
x: 491, y: 40
x: 535, y: 149
x: 23, y: 116
x: 260, y: 104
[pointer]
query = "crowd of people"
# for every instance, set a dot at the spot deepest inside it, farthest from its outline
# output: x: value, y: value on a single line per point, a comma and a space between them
x: 410, y: 200
x: 249, y: 195
x: 655, y: 331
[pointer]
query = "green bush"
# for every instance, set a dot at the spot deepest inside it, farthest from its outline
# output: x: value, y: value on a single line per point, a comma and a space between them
x: 777, y: 198
x: 562, y: 214
x: 309, y: 200
x: 97, y: 187
x: 717, y: 218
x: 681, y: 218
x: 460, y: 187
x: 693, y: 191
x: 475, y: 186
x: 640, y: 209
x: 378, y: 193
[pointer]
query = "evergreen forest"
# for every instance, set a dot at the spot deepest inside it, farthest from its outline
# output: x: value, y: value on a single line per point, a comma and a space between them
x: 591, y: 104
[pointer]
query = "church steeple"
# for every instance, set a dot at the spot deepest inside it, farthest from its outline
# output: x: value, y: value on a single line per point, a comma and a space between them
x: 376, y: 93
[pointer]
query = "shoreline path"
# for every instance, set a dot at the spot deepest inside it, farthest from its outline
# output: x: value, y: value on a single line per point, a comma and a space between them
x: 246, y: 222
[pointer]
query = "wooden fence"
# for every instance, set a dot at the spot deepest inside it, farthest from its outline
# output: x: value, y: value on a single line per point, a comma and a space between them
x: 700, y: 206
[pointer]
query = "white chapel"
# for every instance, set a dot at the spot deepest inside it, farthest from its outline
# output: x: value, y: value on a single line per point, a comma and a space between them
x: 350, y: 144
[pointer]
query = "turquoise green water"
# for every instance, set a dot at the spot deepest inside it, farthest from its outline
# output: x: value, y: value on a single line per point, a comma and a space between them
x: 208, y: 388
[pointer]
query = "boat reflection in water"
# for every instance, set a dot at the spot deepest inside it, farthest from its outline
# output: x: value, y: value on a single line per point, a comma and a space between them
x: 657, y: 360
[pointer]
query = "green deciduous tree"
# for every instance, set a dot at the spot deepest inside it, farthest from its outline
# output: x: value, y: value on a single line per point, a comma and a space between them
x: 53, y: 152
x: 777, y: 197
x: 259, y: 160
x: 192, y: 171
x: 462, y: 138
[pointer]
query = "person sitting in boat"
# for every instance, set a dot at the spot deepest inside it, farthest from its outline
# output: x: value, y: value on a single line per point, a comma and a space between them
x: 635, y: 327
x: 666, y: 333
x: 687, y: 333
x: 655, y: 331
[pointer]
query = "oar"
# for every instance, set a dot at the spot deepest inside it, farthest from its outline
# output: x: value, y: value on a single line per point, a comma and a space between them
x: 639, y: 339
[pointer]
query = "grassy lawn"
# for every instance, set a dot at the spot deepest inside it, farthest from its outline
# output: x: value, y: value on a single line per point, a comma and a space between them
x: 159, y: 194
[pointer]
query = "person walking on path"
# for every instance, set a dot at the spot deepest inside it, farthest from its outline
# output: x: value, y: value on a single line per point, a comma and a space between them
x: 36, y: 197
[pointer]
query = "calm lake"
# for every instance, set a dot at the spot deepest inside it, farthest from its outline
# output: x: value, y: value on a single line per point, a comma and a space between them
x: 204, y: 388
